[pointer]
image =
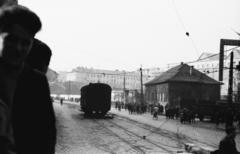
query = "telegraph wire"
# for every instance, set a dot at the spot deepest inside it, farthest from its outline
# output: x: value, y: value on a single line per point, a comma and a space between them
x: 180, y: 18
x: 159, y: 68
x: 194, y: 45
x: 90, y: 54
x: 187, y: 33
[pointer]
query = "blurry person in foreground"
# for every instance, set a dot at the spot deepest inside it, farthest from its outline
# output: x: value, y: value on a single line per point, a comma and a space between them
x: 18, y: 26
x: 33, y: 116
x: 39, y: 57
x: 228, y: 145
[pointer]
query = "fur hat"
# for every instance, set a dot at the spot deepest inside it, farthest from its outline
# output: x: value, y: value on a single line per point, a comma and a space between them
x: 229, y: 130
x: 39, y: 54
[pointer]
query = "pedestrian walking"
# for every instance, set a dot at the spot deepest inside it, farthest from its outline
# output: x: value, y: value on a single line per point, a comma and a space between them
x: 155, y: 112
x: 217, y: 118
x: 119, y: 106
x: 181, y: 117
x: 61, y: 101
x: 229, y: 118
x: 116, y: 105
x: 189, y: 117
x: 238, y: 118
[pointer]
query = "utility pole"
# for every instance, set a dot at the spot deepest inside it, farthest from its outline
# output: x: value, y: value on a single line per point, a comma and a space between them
x: 230, y: 81
x: 69, y: 90
x: 141, y: 87
x: 124, y: 86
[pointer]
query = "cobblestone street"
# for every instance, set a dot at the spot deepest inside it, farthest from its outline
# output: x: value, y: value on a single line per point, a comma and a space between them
x: 124, y: 134
x: 199, y: 133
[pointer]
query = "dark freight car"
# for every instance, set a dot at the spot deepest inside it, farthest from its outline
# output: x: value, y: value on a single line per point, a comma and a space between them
x: 206, y: 109
x: 96, y: 97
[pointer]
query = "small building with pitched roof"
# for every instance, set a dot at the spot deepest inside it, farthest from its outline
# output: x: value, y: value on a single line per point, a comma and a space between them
x: 181, y: 82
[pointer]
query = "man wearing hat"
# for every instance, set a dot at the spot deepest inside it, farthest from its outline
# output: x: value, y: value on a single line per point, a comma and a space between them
x: 227, y: 145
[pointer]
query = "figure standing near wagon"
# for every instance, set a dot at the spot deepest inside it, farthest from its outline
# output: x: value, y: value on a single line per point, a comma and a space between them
x: 217, y: 118
x: 61, y: 101
x: 155, y: 112
x: 119, y: 106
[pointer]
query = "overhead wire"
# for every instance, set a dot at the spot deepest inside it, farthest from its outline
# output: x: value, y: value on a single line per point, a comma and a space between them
x: 129, y: 65
x: 132, y: 66
x: 90, y: 54
x: 187, y: 33
x: 199, y: 59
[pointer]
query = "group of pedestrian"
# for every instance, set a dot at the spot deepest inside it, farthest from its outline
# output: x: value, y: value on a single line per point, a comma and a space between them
x: 151, y: 106
x: 136, y: 107
x: 228, y: 117
x: 119, y: 105
x: 187, y: 116
x: 172, y: 112
x: 27, y: 119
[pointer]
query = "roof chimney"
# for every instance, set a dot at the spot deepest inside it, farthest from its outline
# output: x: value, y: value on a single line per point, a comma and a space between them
x: 181, y: 63
x: 191, y: 70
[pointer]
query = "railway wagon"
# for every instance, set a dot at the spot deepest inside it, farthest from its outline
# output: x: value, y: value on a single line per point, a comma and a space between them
x: 207, y: 109
x: 96, y: 97
x: 202, y: 108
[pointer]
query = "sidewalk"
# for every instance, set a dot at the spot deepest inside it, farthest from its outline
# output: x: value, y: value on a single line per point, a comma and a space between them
x: 172, y: 125
x: 147, y: 119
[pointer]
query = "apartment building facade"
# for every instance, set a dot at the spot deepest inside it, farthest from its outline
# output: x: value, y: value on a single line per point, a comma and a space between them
x: 208, y: 63
x: 115, y: 78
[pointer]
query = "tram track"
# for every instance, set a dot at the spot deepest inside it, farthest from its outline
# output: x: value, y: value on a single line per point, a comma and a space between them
x: 121, y: 138
x: 195, y: 129
x: 153, y: 140
x: 158, y: 130
x: 179, y: 133
x: 133, y: 142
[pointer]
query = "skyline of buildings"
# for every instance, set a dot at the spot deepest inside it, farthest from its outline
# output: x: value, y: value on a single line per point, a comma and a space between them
x: 207, y: 63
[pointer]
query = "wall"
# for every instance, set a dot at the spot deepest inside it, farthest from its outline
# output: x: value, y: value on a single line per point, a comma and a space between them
x: 197, y: 91
x: 162, y: 93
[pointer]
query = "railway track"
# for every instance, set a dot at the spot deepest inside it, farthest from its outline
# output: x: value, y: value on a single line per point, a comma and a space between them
x: 139, y: 142
x: 180, y: 134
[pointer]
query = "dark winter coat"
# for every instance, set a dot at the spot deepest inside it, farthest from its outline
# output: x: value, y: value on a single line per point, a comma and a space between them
x: 33, y: 116
x: 227, y: 146
x: 6, y: 133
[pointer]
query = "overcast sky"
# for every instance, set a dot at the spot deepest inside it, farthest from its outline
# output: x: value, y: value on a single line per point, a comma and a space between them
x: 123, y: 34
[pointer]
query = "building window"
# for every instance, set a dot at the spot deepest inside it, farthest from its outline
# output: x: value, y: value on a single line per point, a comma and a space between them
x: 152, y: 96
x: 165, y: 97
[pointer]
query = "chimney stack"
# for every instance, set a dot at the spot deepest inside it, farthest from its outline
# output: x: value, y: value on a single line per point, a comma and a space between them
x: 181, y: 63
x: 191, y: 70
